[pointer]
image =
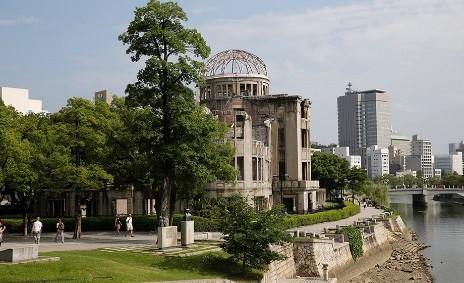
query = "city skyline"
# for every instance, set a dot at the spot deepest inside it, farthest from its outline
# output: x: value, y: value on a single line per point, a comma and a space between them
x: 311, y: 50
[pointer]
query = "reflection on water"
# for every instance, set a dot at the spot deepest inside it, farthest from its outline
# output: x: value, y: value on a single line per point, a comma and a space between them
x: 440, y: 225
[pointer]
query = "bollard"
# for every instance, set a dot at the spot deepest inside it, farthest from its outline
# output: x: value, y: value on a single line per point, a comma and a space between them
x: 325, y: 271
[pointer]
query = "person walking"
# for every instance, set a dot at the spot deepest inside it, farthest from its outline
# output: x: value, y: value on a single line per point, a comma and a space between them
x: 37, y: 230
x: 59, y: 231
x: 117, y: 225
x: 129, y: 227
x: 2, y: 229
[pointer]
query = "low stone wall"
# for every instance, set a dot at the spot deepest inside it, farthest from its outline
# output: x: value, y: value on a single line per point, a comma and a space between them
x: 281, y: 269
x: 311, y: 253
x: 376, y: 238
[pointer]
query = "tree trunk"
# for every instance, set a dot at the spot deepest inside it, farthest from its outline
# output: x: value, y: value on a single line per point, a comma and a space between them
x: 25, y: 222
x: 78, y: 218
x: 244, y: 264
x: 165, y: 199
x: 172, y: 205
x: 157, y: 197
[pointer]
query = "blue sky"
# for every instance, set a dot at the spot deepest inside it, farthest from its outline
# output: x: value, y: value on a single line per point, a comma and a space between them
x: 414, y: 49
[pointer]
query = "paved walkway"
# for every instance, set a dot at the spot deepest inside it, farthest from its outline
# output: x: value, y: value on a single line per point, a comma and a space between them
x: 90, y: 240
x: 319, y: 228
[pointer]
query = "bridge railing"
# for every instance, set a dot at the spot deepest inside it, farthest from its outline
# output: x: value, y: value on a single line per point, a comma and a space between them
x: 428, y: 188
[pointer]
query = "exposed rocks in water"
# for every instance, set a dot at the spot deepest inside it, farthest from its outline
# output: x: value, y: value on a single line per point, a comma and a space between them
x: 406, y: 264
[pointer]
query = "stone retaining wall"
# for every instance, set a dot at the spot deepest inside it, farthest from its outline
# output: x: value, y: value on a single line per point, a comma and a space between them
x: 311, y: 253
x: 306, y: 256
x: 281, y: 269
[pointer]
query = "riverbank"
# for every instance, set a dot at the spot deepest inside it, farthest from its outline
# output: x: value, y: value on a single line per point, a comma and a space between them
x: 405, y: 264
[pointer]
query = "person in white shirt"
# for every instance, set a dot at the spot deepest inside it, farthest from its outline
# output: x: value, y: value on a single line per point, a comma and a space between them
x: 37, y: 230
x: 2, y: 229
x: 129, y: 227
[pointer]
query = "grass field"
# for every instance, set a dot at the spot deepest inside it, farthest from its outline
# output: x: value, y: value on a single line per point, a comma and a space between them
x: 102, y: 267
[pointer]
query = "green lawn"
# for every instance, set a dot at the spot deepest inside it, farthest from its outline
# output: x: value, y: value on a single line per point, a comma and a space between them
x: 103, y: 266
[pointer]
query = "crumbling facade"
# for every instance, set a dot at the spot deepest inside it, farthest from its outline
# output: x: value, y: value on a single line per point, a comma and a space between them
x: 270, y: 133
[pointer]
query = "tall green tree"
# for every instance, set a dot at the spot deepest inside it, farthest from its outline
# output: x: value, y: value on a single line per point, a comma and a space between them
x: 21, y: 158
x: 330, y: 170
x: 173, y: 56
x: 45, y: 156
x: 357, y: 177
x: 83, y: 128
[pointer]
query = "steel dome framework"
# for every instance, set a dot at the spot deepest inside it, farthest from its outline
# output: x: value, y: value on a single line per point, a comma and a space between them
x: 235, y: 61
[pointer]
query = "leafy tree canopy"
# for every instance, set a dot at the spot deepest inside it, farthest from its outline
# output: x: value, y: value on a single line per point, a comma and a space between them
x: 179, y: 142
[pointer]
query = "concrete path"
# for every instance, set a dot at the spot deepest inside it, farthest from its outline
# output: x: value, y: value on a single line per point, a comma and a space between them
x: 90, y: 240
x: 98, y: 240
x: 319, y: 228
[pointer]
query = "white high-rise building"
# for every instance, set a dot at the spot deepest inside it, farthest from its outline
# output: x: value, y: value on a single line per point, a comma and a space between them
x: 421, y: 158
x: 19, y: 99
x: 363, y: 119
x: 457, y: 147
x: 449, y: 163
x: 377, y: 161
x: 344, y: 152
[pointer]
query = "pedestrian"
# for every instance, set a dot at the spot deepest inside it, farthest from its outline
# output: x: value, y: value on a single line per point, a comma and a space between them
x: 129, y: 227
x: 59, y: 231
x: 37, y: 230
x: 117, y: 225
x: 2, y: 229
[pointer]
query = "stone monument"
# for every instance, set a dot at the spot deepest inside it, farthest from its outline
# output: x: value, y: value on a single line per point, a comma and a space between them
x: 167, y: 235
x: 187, y: 229
x: 17, y: 254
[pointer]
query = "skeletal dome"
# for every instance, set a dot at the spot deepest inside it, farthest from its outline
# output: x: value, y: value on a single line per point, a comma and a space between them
x: 235, y: 61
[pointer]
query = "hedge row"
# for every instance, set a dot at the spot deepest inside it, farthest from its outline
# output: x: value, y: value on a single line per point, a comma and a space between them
x: 106, y: 223
x: 149, y: 223
x: 350, y: 209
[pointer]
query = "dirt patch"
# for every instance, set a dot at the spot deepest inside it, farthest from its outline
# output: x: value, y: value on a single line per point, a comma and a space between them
x: 406, y: 264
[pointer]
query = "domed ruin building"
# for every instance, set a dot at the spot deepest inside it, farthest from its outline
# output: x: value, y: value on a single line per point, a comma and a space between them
x: 271, y: 134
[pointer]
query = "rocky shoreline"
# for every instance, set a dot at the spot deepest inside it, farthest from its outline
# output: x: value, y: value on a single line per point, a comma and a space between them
x: 406, y: 263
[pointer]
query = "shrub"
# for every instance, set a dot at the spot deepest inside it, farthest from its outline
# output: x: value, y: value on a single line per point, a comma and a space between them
x: 249, y: 232
x: 350, y: 209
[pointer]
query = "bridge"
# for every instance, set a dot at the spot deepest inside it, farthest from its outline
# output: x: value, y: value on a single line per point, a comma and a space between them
x: 420, y: 196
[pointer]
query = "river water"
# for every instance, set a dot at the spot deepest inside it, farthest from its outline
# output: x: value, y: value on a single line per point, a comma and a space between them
x: 440, y: 225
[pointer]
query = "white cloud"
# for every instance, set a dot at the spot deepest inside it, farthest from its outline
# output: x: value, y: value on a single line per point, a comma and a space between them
x: 19, y: 21
x: 411, y: 48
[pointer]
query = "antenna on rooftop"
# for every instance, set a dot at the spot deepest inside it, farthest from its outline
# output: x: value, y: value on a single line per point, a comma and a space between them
x: 348, y: 88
